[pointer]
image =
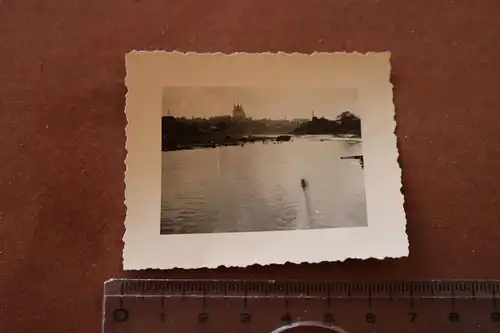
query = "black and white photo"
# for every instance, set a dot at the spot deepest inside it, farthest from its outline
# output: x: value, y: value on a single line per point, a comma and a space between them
x: 239, y: 159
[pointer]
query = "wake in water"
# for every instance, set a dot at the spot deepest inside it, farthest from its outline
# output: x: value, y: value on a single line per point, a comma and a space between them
x: 305, y: 187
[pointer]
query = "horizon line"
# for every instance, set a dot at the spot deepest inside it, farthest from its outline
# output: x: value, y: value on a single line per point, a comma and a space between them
x: 248, y: 118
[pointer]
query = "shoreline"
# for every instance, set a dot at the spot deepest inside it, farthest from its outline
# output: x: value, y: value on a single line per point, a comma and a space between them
x: 242, y: 141
x: 229, y: 141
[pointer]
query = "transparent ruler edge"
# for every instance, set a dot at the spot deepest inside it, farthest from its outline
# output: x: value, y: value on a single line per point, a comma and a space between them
x: 478, y: 289
x: 240, y: 288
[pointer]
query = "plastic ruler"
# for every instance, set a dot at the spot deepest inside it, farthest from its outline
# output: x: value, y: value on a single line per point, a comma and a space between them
x: 196, y: 306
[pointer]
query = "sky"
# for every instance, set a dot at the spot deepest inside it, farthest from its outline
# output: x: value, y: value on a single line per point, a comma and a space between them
x: 258, y: 103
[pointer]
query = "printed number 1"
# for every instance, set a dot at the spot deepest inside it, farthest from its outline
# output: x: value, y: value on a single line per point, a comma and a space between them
x: 203, y: 317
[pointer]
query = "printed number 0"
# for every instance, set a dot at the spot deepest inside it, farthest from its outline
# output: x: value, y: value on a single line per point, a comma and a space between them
x: 120, y: 315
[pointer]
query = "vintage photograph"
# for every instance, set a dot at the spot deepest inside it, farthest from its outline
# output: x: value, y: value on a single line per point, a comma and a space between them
x: 260, y: 158
x: 243, y: 159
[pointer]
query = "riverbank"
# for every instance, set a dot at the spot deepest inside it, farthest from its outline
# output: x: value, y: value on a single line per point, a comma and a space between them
x: 227, y: 142
x: 182, y: 133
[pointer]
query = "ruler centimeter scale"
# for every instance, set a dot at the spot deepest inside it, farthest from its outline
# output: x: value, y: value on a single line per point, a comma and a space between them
x: 196, y: 306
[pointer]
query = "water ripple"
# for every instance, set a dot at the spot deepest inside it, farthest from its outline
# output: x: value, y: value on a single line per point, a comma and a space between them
x: 257, y: 187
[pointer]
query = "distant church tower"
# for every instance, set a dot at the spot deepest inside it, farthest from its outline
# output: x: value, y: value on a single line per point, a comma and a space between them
x: 238, y: 112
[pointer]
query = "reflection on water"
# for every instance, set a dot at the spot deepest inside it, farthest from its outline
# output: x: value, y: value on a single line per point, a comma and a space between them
x: 258, y: 187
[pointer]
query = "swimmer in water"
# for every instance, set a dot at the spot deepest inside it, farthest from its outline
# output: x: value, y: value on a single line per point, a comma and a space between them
x: 303, y: 184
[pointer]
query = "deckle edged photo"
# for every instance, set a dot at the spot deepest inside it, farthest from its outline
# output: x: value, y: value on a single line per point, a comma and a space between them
x: 244, y: 159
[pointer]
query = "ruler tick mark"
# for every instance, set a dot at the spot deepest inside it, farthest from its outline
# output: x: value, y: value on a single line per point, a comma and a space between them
x: 245, y: 297
x: 369, y: 297
x: 328, y: 296
x: 287, y: 301
x: 411, y: 298
x: 452, y: 298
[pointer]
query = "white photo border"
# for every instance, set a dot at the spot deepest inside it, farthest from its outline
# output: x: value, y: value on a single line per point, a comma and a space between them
x: 149, y: 71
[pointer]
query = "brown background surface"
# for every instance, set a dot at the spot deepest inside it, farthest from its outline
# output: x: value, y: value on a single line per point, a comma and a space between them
x: 62, y: 134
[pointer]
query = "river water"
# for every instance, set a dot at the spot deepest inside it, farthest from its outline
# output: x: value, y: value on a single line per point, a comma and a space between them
x: 257, y: 187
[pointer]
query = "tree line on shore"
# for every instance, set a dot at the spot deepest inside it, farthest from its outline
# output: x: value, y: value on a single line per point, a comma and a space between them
x: 346, y: 123
x: 183, y: 133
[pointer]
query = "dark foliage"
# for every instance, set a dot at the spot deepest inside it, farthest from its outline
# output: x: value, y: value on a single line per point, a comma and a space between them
x: 346, y: 123
x: 177, y: 132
